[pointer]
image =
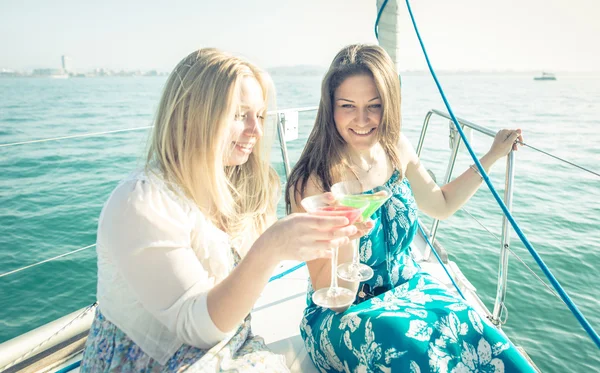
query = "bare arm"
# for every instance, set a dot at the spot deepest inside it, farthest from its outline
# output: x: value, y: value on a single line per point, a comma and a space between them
x: 443, y: 202
x: 232, y: 299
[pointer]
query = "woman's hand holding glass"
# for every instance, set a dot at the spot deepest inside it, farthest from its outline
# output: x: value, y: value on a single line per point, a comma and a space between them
x: 305, y: 237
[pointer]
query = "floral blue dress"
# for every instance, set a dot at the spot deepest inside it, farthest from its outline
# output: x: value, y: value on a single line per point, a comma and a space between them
x: 403, y: 320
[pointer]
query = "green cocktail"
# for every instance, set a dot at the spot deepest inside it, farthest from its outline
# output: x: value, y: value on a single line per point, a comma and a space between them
x: 375, y: 202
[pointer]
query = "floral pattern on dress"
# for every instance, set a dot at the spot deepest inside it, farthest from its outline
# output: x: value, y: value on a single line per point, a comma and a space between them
x: 108, y: 349
x: 416, y: 325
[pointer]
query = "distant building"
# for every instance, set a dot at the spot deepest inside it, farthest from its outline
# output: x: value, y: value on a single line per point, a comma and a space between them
x: 50, y: 73
x: 66, y: 64
x: 9, y: 72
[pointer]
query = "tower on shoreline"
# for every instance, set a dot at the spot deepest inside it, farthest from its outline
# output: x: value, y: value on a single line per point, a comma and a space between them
x: 66, y: 64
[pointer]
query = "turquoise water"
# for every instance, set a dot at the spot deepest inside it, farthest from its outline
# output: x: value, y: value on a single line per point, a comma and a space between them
x: 51, y: 193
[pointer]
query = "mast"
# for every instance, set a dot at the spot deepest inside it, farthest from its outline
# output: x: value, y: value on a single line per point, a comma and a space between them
x: 389, y: 28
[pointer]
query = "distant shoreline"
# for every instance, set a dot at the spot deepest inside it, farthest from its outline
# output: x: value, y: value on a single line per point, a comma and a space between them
x: 295, y: 71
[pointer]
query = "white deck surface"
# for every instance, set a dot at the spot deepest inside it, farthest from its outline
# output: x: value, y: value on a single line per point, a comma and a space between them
x: 277, y: 315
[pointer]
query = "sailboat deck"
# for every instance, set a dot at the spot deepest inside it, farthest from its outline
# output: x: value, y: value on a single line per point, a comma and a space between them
x: 278, y: 312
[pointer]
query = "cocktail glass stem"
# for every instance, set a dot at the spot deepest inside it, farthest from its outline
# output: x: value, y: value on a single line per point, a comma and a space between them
x: 334, y: 260
x: 355, y: 270
x: 333, y: 286
x: 355, y: 254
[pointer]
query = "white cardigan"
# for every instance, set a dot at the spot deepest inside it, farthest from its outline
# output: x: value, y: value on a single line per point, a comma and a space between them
x: 158, y: 256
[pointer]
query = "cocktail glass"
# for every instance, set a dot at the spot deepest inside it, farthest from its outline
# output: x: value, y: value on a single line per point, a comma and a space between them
x: 333, y: 296
x: 350, y: 193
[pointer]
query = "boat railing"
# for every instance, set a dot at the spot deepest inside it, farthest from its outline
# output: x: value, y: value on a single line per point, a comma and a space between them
x: 287, y: 130
x: 504, y: 239
x: 455, y: 141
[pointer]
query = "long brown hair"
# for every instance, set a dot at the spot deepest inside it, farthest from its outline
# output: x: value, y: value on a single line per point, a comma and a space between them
x: 323, y: 157
x: 188, y: 142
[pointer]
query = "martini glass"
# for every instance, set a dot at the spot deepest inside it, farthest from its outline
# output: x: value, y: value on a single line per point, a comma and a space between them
x: 350, y: 193
x: 333, y: 296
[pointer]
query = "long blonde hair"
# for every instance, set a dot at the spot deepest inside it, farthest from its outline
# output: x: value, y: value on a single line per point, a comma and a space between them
x: 189, y: 142
x: 323, y: 157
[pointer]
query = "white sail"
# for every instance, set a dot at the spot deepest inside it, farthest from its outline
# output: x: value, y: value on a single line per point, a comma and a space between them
x: 389, y: 28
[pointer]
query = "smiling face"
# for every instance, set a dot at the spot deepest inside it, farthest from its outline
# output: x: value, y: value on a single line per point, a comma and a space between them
x: 357, y: 111
x: 246, y: 126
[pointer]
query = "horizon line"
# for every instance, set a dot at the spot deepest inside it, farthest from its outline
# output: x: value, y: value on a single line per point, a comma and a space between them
x: 318, y: 67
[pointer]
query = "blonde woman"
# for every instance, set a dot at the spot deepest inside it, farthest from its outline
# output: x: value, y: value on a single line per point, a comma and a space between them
x: 170, y: 293
x: 402, y: 319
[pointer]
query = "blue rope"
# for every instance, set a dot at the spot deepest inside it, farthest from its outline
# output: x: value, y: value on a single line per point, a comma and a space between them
x: 564, y: 296
x: 285, y: 273
x: 69, y: 368
x: 440, y: 260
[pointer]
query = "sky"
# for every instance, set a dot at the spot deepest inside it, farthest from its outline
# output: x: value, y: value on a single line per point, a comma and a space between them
x: 553, y: 35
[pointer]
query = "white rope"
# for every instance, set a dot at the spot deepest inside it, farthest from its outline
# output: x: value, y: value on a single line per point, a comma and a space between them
x: 300, y: 109
x: 516, y: 256
x: 561, y: 159
x: 73, y: 136
x: 44, y: 261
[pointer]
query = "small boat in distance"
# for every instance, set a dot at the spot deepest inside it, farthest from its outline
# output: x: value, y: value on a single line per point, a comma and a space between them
x: 545, y: 76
